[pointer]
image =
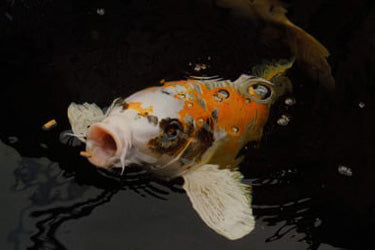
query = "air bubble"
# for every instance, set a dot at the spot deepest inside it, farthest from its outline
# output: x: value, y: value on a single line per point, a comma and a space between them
x: 200, y: 121
x: 283, y: 121
x: 344, y: 170
x: 221, y: 95
x: 12, y: 139
x: 290, y: 101
x: 317, y: 222
x: 235, y: 129
x: 100, y: 11
x: 200, y: 66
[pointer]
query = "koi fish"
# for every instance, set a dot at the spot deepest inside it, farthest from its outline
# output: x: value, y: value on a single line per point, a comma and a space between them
x: 191, y: 128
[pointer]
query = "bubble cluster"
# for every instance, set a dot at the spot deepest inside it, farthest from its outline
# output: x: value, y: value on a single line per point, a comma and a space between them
x: 344, y: 170
x: 290, y: 101
x: 100, y: 11
x: 283, y: 120
x: 221, y: 95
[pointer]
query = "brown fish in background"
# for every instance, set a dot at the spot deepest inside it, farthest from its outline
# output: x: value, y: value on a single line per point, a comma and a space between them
x: 309, y: 53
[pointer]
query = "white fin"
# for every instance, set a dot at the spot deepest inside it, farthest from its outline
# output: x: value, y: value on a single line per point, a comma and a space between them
x: 81, y: 116
x: 221, y: 200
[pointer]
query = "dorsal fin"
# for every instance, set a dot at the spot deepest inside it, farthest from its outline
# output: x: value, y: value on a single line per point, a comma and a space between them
x: 273, y: 69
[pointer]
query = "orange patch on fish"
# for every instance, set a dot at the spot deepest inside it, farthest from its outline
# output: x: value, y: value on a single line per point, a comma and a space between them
x: 138, y: 107
x: 234, y: 112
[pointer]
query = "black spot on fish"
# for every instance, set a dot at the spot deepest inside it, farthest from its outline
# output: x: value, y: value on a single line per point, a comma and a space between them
x: 215, y: 115
x: 172, y: 138
x: 203, y: 139
x: 165, y: 92
x: 202, y: 102
x: 152, y: 119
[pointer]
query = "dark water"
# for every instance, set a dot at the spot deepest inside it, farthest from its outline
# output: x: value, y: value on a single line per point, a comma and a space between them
x: 55, y: 52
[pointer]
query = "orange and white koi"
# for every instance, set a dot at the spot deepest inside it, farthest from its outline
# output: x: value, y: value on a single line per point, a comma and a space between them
x: 192, y: 128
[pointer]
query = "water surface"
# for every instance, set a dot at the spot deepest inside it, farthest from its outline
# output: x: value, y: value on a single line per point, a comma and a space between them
x: 312, y: 179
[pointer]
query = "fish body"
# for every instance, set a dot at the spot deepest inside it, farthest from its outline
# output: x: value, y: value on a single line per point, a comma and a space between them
x: 192, y: 128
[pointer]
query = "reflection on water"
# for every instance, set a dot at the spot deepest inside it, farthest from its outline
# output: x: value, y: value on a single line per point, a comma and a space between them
x: 50, y: 220
x: 312, y: 176
x: 49, y: 197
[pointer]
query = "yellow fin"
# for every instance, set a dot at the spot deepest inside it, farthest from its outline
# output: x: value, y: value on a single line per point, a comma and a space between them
x: 272, y: 69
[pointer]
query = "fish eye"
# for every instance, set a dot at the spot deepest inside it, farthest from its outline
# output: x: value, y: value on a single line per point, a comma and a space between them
x: 260, y: 91
x: 173, y: 129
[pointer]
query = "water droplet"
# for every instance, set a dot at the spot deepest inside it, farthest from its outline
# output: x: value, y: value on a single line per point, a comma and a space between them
x: 361, y: 105
x: 290, y: 101
x: 317, y: 222
x: 235, y: 129
x: 100, y: 11
x: 283, y: 120
x: 200, y: 121
x: 248, y: 100
x: 221, y: 95
x: 224, y: 93
x: 344, y: 170
x: 190, y: 105
x: 181, y: 95
x: 12, y: 139
x: 200, y: 66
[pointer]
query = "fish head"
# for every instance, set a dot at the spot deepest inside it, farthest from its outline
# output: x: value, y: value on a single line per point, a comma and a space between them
x: 142, y: 129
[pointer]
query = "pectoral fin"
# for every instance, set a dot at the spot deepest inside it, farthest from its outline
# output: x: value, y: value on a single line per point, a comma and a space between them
x: 221, y: 200
x: 81, y: 116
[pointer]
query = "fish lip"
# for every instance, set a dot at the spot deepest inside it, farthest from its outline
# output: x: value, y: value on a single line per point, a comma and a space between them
x: 107, y: 143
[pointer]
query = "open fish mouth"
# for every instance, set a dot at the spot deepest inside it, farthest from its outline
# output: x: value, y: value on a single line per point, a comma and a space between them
x: 106, y: 145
